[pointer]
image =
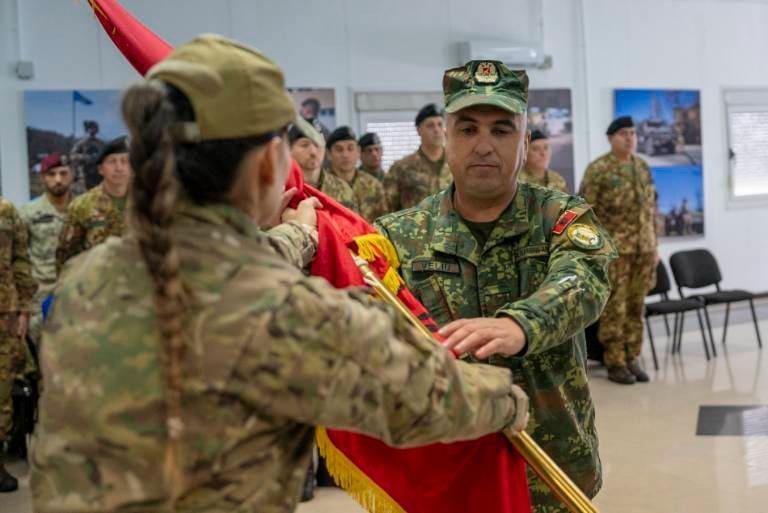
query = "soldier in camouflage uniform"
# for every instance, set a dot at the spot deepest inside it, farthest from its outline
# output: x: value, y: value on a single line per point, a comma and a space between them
x: 620, y: 188
x: 99, y: 213
x: 308, y: 149
x: 187, y: 363
x: 83, y: 157
x: 536, y: 169
x: 424, y: 172
x: 45, y: 218
x: 514, y: 272
x: 17, y: 289
x: 344, y: 152
x: 371, y: 152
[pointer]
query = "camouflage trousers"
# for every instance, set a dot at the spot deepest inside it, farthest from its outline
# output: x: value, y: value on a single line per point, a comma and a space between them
x: 621, y: 323
x: 11, y: 361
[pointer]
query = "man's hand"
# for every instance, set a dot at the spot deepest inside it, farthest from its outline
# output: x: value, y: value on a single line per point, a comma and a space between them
x: 22, y: 324
x: 484, y: 336
x: 304, y: 213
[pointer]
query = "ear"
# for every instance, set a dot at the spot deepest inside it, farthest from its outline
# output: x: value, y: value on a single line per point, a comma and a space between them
x: 268, y: 166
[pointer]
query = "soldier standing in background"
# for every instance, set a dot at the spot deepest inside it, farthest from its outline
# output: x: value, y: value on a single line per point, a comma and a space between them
x: 371, y: 152
x: 424, y: 172
x: 512, y: 272
x: 45, y: 217
x: 83, y: 156
x: 344, y: 153
x: 99, y: 213
x: 17, y: 290
x: 308, y: 149
x: 619, y: 186
x: 536, y: 169
x: 310, y: 112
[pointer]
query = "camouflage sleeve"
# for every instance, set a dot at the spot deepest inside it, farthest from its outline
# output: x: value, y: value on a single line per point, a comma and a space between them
x: 71, y: 238
x: 574, y: 292
x: 295, y: 242
x: 26, y: 286
x: 391, y: 188
x: 351, y: 365
x: 382, y: 206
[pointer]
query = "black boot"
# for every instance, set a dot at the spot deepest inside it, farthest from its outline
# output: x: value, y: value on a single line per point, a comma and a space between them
x: 621, y: 375
x: 8, y: 483
x: 308, y: 492
x: 638, y: 372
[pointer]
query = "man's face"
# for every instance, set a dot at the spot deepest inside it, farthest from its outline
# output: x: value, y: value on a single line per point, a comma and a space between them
x: 116, y: 169
x: 307, y: 154
x: 432, y: 131
x: 624, y: 141
x: 539, y: 154
x: 58, y: 180
x: 371, y: 156
x: 485, y: 149
x: 344, y: 155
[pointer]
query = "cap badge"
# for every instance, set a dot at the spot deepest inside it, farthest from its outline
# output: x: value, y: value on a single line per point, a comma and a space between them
x: 486, y: 73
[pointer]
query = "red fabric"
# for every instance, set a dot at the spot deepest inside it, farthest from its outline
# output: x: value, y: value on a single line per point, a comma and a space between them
x: 142, y: 47
x: 486, y: 475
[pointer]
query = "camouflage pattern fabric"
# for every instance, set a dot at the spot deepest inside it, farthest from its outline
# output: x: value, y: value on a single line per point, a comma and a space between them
x: 547, y: 283
x: 551, y: 180
x: 91, y: 218
x: 378, y: 174
x: 270, y: 354
x: 17, y: 286
x: 413, y: 178
x: 337, y: 189
x: 369, y: 195
x: 624, y: 199
x: 44, y: 225
x: 12, y: 359
x: 621, y: 324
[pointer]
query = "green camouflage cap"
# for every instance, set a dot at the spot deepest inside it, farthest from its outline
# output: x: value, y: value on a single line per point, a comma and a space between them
x: 485, y: 83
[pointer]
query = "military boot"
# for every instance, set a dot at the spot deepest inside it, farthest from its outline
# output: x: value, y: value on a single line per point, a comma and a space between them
x: 8, y: 483
x: 638, y: 372
x: 621, y: 375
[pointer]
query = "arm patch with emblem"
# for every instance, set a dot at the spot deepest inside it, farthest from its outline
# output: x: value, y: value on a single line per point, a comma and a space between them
x: 567, y: 218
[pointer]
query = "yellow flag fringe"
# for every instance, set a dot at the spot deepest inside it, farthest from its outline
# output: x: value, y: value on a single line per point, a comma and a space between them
x: 352, y: 480
x: 371, y: 245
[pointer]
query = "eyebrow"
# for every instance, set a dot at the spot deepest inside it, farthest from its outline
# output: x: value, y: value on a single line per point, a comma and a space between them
x: 469, y: 119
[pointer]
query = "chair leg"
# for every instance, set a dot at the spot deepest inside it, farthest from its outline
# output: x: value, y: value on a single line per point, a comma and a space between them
x: 653, y: 346
x: 709, y: 330
x: 674, y: 332
x: 725, y: 323
x: 666, y: 323
x: 680, y: 332
x: 703, y: 334
x: 757, y: 327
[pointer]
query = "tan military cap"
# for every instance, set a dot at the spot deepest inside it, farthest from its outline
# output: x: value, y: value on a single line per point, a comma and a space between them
x: 235, y: 91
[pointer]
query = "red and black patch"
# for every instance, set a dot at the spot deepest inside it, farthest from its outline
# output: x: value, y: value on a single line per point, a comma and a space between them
x: 567, y: 218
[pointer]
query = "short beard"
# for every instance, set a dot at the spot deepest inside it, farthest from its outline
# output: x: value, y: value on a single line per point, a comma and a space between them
x: 58, y: 193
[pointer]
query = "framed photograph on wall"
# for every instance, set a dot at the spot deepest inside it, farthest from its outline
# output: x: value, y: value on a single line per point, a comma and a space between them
x: 668, y: 124
x: 549, y: 110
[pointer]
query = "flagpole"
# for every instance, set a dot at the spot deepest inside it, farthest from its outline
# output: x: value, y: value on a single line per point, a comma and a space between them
x: 540, y: 462
x: 74, y: 106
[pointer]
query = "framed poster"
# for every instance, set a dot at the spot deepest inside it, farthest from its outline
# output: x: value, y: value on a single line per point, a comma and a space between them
x: 549, y: 110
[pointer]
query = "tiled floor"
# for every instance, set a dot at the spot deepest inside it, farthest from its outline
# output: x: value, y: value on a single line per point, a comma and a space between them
x: 653, y: 460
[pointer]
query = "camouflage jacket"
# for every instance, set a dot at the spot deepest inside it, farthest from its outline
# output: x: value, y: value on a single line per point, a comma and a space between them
x: 378, y: 174
x: 624, y: 199
x: 551, y: 180
x: 92, y: 217
x: 547, y: 283
x: 17, y: 286
x: 270, y: 353
x: 337, y: 189
x: 44, y: 224
x: 412, y: 178
x: 369, y: 195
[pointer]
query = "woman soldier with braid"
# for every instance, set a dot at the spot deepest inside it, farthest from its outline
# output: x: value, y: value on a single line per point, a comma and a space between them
x: 187, y: 364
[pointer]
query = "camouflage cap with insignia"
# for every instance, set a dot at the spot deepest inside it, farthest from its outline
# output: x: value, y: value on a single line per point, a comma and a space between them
x: 234, y: 90
x: 485, y: 83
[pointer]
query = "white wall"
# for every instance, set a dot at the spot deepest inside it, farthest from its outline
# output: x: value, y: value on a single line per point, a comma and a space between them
x: 404, y: 45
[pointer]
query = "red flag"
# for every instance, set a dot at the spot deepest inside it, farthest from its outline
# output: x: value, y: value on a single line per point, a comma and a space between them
x: 485, y: 475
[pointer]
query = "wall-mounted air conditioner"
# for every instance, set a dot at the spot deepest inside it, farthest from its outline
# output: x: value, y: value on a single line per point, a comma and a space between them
x: 515, y: 56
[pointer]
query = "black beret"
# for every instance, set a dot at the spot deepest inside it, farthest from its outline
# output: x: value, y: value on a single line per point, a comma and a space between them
x: 538, y: 134
x: 369, y: 139
x: 619, y: 123
x: 428, y: 111
x: 343, y: 133
x: 119, y: 145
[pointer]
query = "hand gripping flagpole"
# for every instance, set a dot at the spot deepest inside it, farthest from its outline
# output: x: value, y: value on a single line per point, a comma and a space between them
x: 544, y: 467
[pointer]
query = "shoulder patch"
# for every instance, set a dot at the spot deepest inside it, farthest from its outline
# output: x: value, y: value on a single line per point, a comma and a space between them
x: 566, y: 219
x: 585, y: 237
